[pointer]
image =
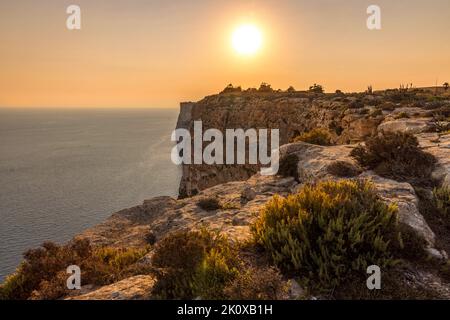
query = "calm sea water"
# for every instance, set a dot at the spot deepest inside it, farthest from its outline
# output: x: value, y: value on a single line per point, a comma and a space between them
x: 62, y: 171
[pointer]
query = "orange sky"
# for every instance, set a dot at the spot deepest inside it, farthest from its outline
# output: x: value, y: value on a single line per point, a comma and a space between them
x: 143, y: 53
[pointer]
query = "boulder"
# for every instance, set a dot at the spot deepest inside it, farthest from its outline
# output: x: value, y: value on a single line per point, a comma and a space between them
x: 416, y: 125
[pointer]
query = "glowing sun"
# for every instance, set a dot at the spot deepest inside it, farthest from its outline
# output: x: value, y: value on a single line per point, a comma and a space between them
x: 247, y: 39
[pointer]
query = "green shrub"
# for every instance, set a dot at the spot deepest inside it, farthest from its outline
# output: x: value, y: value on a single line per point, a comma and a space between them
x: 343, y: 169
x: 209, y: 204
x: 217, y: 269
x: 289, y: 166
x: 43, y: 271
x: 395, y: 155
x: 193, y: 263
x: 327, y: 231
x: 317, y: 136
x: 442, y: 200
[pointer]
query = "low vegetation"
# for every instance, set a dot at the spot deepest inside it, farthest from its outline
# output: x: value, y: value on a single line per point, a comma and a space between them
x: 316, y: 88
x: 257, y: 283
x: 442, y: 200
x: 343, y: 169
x: 395, y: 155
x: 42, y: 274
x: 328, y: 231
x: 402, y: 115
x: 193, y: 264
x: 317, y: 136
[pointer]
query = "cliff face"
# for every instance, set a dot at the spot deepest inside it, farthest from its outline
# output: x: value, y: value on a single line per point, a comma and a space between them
x: 291, y: 113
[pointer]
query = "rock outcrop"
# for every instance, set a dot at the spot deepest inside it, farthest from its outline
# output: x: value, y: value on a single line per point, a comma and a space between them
x: 133, y: 288
x: 292, y: 114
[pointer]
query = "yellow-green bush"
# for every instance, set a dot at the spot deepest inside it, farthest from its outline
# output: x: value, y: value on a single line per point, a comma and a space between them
x: 442, y: 200
x: 317, y: 136
x: 217, y: 268
x: 193, y: 263
x: 327, y: 231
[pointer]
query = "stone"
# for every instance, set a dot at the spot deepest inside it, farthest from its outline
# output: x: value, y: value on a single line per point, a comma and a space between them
x: 248, y: 194
x: 403, y: 195
x: 414, y: 126
x: 133, y: 288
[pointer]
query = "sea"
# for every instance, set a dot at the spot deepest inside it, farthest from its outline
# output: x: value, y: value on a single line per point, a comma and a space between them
x: 65, y: 170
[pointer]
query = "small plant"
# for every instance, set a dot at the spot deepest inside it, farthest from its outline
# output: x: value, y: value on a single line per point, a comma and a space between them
x: 445, y: 85
x: 369, y: 90
x: 150, y: 238
x: 356, y: 104
x: 328, y: 231
x: 316, y: 88
x: 442, y: 200
x: 343, y: 169
x: 209, y: 204
x: 192, y: 264
x: 317, y: 136
x: 402, y: 115
x: 291, y: 89
x: 218, y: 268
x: 395, y: 155
x: 440, y: 122
x: 376, y: 112
x: 265, y: 87
x: 230, y: 89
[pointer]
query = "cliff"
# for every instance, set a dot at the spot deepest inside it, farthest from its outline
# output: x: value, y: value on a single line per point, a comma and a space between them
x: 291, y: 113
x: 243, y: 193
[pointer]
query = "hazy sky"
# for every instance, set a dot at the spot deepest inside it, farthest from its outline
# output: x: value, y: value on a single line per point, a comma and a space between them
x: 152, y: 53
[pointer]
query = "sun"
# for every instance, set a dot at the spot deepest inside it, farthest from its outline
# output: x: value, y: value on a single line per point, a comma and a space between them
x: 247, y: 39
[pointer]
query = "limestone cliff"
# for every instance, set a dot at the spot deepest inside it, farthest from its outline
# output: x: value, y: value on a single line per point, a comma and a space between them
x: 291, y: 113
